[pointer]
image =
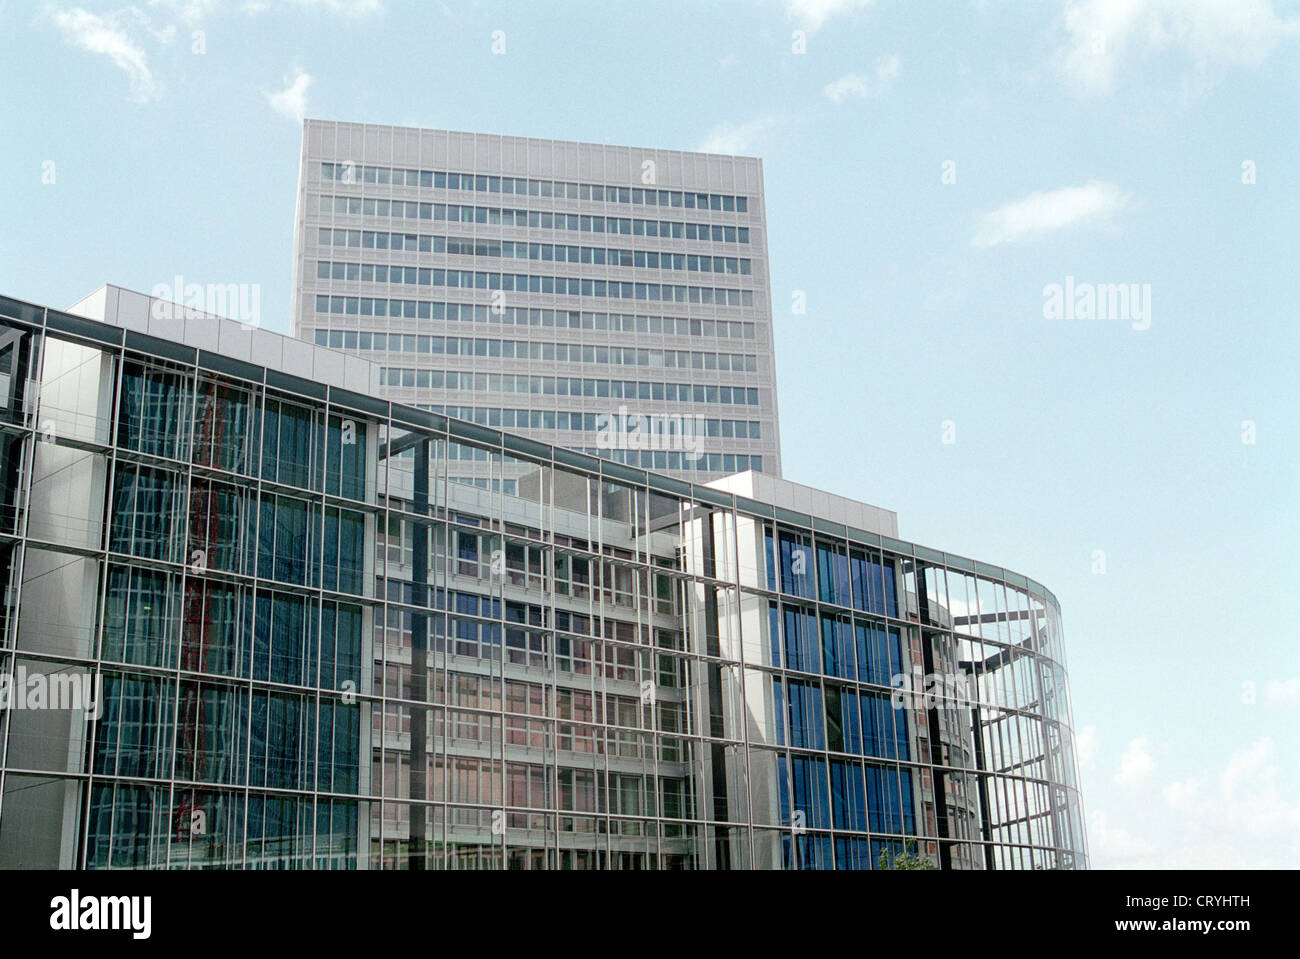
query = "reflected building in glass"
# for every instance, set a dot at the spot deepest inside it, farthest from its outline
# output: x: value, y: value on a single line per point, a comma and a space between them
x: 316, y: 645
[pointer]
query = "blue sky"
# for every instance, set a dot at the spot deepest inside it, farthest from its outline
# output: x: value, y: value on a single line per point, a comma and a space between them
x: 1141, y: 142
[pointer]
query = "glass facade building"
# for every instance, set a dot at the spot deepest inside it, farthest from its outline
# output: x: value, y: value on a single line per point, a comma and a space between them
x: 318, y: 644
x: 548, y: 288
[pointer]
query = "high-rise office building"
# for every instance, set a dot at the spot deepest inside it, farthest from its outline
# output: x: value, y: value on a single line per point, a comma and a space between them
x: 253, y: 616
x: 604, y: 298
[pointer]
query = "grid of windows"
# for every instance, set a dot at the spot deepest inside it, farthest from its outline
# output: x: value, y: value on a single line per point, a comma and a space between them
x: 397, y: 211
x: 333, y: 632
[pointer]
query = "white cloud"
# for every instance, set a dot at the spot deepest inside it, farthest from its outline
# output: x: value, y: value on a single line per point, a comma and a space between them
x: 1284, y: 693
x: 345, y: 8
x: 196, y: 11
x: 1085, y: 746
x: 1107, y: 36
x: 1239, y: 818
x: 108, y: 35
x: 1107, y: 843
x: 1184, y: 795
x: 292, y: 100
x: 190, y: 11
x: 1136, y: 765
x: 1046, y: 212
x: 811, y: 15
x: 857, y: 85
x: 1247, y: 796
x: 736, y: 138
x: 117, y: 34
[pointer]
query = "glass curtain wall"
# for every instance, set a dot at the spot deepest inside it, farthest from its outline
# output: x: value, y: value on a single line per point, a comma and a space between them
x: 333, y: 632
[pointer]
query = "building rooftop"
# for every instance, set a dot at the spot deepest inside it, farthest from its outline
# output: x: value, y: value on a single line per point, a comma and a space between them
x: 218, y: 334
x: 314, y: 124
x: 806, y: 499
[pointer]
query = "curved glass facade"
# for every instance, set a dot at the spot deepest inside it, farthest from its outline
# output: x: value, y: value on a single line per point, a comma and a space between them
x: 321, y: 636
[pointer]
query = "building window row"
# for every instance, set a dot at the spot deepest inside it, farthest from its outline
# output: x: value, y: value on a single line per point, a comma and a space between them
x: 533, y: 316
x: 586, y: 422
x: 527, y: 283
x: 533, y: 350
x: 650, y: 459
x: 406, y: 378
x: 725, y: 463
x: 533, y: 219
x: 348, y: 172
x: 543, y: 252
